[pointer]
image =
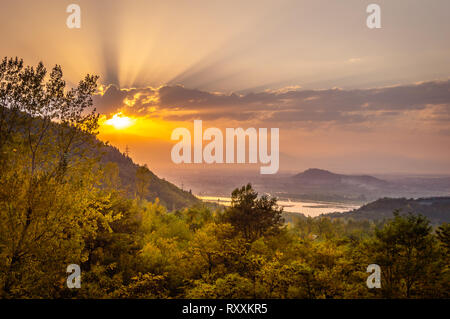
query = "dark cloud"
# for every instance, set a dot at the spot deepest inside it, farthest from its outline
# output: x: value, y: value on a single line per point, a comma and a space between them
x: 110, y: 101
x: 316, y: 106
x: 114, y: 99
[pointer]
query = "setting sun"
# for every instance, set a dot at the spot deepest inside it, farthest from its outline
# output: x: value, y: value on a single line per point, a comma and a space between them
x: 120, y: 122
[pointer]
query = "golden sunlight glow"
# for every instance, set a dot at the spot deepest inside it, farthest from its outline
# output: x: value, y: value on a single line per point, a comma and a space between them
x: 119, y: 121
x: 139, y: 128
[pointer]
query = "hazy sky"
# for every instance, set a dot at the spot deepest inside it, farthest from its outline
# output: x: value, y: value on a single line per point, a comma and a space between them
x: 345, y: 97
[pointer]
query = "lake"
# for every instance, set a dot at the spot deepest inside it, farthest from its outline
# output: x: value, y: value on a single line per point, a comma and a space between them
x: 307, y: 208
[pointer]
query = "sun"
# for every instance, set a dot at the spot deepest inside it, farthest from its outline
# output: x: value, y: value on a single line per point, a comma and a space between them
x: 119, y: 121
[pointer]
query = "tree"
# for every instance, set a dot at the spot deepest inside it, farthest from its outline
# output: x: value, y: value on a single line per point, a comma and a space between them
x: 405, y: 250
x: 253, y: 217
x: 213, y: 246
x: 442, y: 284
x: 143, y: 178
x: 111, y: 179
x: 45, y: 203
x: 443, y: 233
x: 11, y: 71
x: 228, y: 287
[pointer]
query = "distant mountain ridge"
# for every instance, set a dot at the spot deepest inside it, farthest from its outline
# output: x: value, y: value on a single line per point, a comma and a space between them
x: 436, y: 209
x: 316, y: 185
x: 320, y: 176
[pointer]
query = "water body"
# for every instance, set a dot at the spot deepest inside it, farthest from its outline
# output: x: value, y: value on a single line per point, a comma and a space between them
x: 312, y: 209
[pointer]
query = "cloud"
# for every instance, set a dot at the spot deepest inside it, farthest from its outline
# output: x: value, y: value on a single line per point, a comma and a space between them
x: 134, y: 101
x: 333, y: 106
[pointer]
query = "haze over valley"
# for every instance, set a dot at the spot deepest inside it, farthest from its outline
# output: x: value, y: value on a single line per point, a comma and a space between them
x: 312, y: 192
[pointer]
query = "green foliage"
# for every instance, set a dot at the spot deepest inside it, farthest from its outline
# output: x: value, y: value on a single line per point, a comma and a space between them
x: 407, y: 252
x: 142, y: 182
x: 253, y: 217
x: 443, y: 233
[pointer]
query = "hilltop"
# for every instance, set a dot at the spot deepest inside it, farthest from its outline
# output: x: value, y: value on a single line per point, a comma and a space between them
x: 315, y: 176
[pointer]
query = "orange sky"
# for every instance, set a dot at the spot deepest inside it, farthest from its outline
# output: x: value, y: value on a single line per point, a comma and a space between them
x: 345, y: 98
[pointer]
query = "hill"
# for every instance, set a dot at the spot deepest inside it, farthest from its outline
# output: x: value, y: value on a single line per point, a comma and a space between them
x: 436, y: 209
x: 169, y: 195
x: 315, y: 176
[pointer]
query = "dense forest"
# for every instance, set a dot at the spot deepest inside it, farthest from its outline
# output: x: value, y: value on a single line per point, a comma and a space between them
x: 62, y: 203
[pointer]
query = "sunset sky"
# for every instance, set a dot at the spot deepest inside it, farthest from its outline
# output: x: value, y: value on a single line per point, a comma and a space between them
x: 345, y: 97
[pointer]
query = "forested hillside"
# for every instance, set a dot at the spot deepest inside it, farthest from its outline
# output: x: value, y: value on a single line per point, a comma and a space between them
x: 132, y: 178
